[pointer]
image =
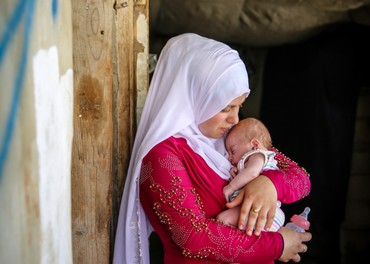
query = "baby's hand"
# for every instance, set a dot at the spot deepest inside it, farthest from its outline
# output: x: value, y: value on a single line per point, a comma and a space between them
x: 233, y: 172
x: 228, y: 191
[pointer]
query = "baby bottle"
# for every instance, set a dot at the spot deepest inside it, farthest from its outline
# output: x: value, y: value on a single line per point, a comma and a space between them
x: 300, y: 223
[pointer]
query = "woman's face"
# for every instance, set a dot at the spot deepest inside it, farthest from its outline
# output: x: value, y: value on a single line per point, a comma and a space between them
x: 219, y: 124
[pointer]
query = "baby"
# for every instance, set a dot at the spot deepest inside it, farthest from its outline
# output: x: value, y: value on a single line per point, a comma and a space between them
x: 248, y: 144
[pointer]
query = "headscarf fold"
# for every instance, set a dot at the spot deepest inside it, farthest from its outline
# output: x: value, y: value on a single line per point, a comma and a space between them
x: 195, y: 78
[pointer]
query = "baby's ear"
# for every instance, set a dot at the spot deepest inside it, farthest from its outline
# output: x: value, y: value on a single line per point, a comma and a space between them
x: 255, y: 143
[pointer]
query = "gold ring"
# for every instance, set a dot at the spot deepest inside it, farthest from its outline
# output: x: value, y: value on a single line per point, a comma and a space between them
x: 255, y: 210
x: 304, y: 249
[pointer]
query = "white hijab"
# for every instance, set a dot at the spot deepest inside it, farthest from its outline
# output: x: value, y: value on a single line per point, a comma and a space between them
x: 195, y: 78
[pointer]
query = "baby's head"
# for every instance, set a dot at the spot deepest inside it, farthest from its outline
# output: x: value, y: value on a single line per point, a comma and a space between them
x: 250, y: 133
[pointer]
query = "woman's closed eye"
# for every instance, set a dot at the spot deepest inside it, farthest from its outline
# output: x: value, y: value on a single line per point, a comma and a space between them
x: 226, y: 109
x: 230, y: 107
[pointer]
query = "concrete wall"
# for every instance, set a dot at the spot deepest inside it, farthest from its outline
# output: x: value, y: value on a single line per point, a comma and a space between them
x: 36, y: 104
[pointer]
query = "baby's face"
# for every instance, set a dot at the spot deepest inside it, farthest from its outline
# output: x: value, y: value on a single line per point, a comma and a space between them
x: 236, y: 146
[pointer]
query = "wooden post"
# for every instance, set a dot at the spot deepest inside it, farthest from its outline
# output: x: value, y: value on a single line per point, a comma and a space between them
x: 132, y: 77
x: 110, y: 52
x: 93, y: 130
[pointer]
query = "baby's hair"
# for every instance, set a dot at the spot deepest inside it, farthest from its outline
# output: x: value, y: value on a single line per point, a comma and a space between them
x: 254, y: 128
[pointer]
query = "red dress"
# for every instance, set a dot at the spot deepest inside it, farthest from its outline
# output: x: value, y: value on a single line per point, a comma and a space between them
x: 181, y: 197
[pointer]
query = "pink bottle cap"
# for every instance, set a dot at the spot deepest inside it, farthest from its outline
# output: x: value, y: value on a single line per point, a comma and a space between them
x: 300, y: 221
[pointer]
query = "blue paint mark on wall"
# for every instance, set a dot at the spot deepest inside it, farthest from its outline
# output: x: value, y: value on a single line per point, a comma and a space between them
x: 54, y: 8
x: 10, y: 28
x: 23, y: 10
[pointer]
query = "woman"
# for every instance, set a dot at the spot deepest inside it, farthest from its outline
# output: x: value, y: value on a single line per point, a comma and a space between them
x: 179, y: 166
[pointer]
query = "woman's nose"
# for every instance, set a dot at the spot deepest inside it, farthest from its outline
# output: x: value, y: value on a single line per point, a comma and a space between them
x: 234, y: 119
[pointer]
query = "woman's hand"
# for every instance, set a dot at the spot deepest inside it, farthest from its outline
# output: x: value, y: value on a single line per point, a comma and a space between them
x: 258, y: 203
x: 293, y: 244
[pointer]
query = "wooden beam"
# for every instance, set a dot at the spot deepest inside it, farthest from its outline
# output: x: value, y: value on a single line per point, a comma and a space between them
x: 110, y: 53
x: 93, y: 130
x: 131, y: 76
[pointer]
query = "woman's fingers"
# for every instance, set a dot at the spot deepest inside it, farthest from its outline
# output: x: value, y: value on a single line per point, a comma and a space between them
x: 257, y: 203
x: 304, y: 248
x: 294, y: 244
x: 297, y: 257
x: 306, y: 236
x: 270, y: 218
x: 261, y: 220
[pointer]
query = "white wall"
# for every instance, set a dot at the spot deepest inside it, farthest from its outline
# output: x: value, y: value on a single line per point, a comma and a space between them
x: 36, y: 124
